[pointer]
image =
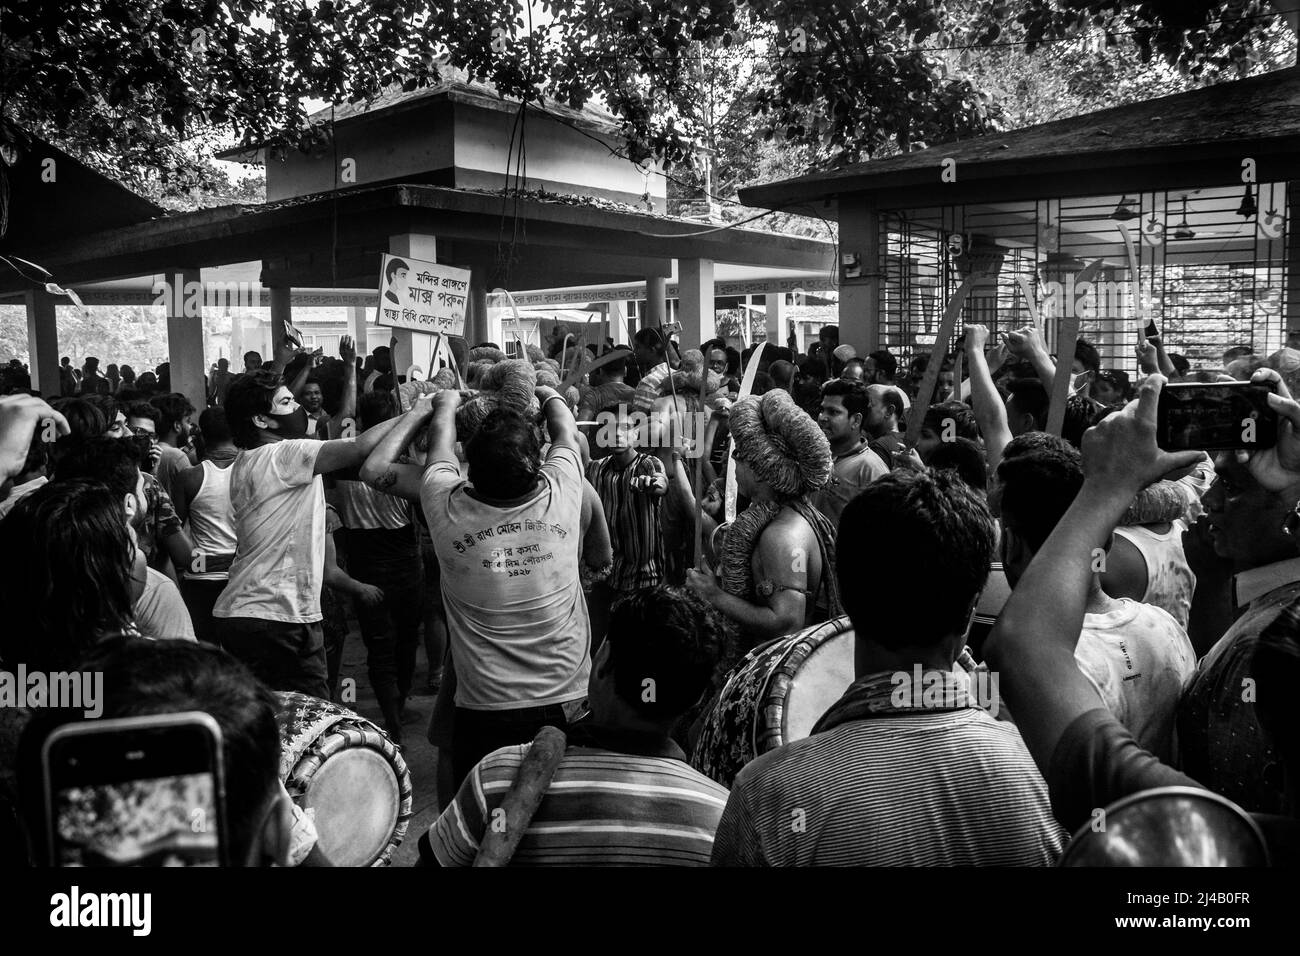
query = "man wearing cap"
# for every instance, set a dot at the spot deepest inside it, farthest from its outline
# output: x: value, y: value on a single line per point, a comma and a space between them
x: 777, y: 558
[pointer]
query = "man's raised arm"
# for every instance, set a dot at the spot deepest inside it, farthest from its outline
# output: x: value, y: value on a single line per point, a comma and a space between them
x: 1032, y: 644
x: 990, y: 413
x: 349, y: 453
x: 383, y: 471
x: 559, y: 420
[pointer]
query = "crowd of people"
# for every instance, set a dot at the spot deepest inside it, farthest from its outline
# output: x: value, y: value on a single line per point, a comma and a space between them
x: 592, y: 539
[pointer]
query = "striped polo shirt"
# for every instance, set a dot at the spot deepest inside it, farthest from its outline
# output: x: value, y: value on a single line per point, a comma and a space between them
x: 635, y: 530
x: 939, y: 788
x: 603, y: 808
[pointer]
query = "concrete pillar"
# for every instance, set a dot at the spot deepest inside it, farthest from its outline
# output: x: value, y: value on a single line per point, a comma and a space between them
x: 42, y: 342
x: 656, y: 302
x: 236, y: 342
x: 618, y: 322
x: 416, y: 246
x: 774, y: 321
x: 357, y: 328
x: 185, y: 336
x: 860, y: 295
x: 695, y: 300
x: 480, y: 326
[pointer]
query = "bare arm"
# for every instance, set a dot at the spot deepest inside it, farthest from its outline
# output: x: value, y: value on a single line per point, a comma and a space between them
x: 342, y: 453
x: 560, y: 424
x: 1032, y: 644
x: 186, y: 485
x: 180, y: 548
x: 597, y: 551
x: 381, y: 469
x: 786, y: 609
x: 442, y: 427
x: 348, y: 406
x: 990, y: 413
x: 339, y: 579
x: 1029, y: 345
x: 300, y: 380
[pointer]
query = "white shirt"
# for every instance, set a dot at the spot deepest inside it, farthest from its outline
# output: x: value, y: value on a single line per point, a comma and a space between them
x: 18, y: 492
x: 279, y: 506
x: 1139, y: 660
x: 516, y: 615
x: 160, y: 612
x: 1170, y: 581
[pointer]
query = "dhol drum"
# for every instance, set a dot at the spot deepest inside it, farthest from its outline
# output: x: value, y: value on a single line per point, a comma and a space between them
x: 774, y: 696
x: 345, y: 768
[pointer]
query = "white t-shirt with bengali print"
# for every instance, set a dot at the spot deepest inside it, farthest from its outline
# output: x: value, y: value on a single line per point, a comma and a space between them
x: 1139, y: 660
x: 278, y: 502
x: 516, y: 615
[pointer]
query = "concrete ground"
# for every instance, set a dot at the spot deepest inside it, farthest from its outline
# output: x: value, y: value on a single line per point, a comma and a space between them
x: 419, y: 754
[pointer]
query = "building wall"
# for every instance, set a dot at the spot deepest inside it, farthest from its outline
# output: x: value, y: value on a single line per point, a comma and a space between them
x: 556, y: 154
x: 403, y: 143
x: 464, y: 146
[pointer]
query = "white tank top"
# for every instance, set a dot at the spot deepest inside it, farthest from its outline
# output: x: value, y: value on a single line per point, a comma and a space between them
x: 1170, y: 581
x: 212, y: 520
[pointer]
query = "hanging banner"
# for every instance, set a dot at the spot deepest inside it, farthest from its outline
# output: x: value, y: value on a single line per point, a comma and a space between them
x: 422, y: 296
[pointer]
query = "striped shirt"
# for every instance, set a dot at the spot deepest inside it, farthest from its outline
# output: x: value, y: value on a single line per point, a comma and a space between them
x: 603, y: 808
x: 635, y: 526
x: 946, y: 788
x: 647, y: 390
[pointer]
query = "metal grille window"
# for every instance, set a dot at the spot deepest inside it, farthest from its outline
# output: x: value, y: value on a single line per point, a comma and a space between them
x: 1210, y: 269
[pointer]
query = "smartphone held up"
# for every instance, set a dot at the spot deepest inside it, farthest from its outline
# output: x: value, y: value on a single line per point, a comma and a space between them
x: 1215, y: 416
x: 139, y: 791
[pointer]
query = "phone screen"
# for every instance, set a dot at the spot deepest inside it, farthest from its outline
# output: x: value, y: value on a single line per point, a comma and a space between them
x: 142, y: 791
x: 1220, y: 416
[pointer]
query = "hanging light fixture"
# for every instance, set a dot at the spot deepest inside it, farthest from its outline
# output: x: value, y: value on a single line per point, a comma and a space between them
x: 1247, y: 209
x: 1124, y: 211
x: 1184, y: 231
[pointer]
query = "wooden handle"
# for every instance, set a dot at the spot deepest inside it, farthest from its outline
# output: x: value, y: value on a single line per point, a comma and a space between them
x: 522, y: 799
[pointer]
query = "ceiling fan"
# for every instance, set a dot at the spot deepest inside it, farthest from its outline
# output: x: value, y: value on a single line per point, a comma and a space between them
x: 1184, y: 231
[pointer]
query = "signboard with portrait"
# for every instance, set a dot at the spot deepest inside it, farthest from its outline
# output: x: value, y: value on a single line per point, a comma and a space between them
x: 422, y: 296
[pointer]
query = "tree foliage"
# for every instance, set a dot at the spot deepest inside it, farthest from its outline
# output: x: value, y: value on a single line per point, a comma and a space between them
x: 141, y: 87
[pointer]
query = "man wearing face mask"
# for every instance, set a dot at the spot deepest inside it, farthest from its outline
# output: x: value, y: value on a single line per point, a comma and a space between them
x: 156, y: 602
x: 269, y: 615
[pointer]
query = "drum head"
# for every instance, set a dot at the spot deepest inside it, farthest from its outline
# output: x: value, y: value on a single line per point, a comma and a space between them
x: 357, y: 785
x: 820, y: 681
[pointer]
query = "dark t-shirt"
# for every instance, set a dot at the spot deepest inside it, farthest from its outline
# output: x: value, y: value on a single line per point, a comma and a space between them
x: 1097, y: 762
x: 886, y: 445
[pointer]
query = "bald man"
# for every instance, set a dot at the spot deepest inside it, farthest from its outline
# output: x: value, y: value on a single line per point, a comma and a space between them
x: 881, y: 423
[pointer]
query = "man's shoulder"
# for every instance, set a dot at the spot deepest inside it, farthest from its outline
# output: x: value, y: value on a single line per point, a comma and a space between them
x: 970, y: 732
x: 866, y: 461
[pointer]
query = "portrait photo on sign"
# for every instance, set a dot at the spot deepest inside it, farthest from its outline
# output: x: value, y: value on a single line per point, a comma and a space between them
x: 422, y: 296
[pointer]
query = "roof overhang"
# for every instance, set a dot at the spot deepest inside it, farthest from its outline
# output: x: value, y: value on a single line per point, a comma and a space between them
x: 1181, y: 141
x: 555, y: 243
